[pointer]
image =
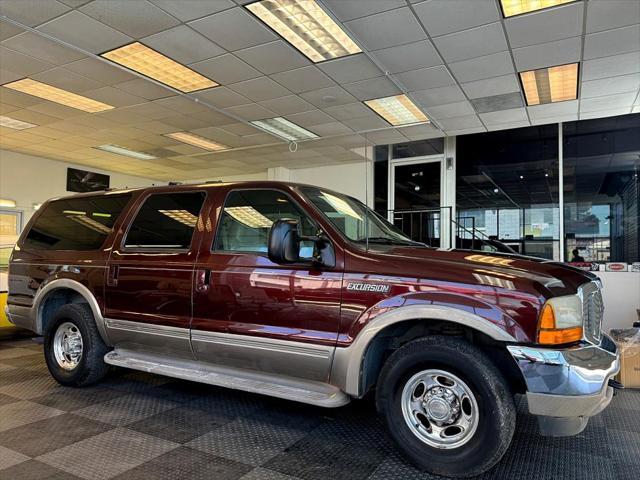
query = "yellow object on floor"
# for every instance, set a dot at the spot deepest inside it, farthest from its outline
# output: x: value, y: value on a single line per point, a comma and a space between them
x: 4, y: 322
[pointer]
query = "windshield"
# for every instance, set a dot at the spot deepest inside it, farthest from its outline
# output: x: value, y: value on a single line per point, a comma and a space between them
x: 354, y: 219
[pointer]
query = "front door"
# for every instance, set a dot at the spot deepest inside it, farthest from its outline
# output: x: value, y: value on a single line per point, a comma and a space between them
x: 148, y: 296
x: 254, y: 314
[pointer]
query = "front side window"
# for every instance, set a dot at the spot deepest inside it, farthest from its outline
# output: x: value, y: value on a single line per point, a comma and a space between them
x: 355, y: 220
x: 166, y: 221
x: 247, y: 218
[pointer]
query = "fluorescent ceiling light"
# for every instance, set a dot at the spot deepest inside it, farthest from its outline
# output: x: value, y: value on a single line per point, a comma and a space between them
x: 518, y: 7
x: 306, y: 26
x: 15, y: 123
x: 125, y: 151
x: 6, y: 203
x: 183, y: 216
x: 283, y: 128
x: 397, y: 110
x: 549, y: 85
x: 197, y: 141
x: 54, y: 94
x: 90, y: 223
x: 144, y: 60
x: 249, y: 216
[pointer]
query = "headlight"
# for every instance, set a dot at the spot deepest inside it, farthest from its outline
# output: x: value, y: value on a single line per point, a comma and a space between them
x: 561, y: 320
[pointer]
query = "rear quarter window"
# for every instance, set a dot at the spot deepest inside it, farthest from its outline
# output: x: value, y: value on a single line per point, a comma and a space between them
x: 75, y: 223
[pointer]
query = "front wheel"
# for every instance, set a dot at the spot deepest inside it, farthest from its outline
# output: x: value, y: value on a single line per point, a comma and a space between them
x: 447, y: 406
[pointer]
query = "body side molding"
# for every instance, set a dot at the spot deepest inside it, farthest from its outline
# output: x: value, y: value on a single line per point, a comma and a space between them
x: 347, y: 364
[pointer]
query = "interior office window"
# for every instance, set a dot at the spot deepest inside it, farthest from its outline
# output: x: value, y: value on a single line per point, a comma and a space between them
x: 507, y: 188
x: 247, y: 218
x: 166, y: 221
x: 76, y: 223
x: 419, y: 148
x: 601, y: 189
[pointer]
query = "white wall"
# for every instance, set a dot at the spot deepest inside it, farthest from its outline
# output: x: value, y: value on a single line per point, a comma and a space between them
x: 621, y: 295
x: 29, y: 180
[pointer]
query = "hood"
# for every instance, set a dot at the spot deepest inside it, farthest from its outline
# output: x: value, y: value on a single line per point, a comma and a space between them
x: 508, y: 271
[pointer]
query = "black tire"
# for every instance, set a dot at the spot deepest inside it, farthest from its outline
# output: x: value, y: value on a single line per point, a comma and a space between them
x: 91, y: 368
x: 497, y: 413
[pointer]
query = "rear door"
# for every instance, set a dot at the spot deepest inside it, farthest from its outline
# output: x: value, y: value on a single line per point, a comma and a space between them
x: 148, y: 293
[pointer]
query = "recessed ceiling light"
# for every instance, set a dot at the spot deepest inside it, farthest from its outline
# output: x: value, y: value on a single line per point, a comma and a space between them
x: 197, y: 141
x: 6, y: 203
x: 306, y: 26
x: 283, y: 128
x: 397, y: 110
x: 148, y: 62
x: 15, y: 123
x: 54, y: 94
x: 125, y: 151
x: 518, y: 7
x: 549, y: 85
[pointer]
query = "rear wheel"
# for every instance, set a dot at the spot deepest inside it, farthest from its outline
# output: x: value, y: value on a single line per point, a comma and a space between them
x: 446, y: 406
x: 73, y: 348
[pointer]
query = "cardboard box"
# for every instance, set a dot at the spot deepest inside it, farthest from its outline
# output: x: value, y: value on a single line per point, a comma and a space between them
x: 628, y: 341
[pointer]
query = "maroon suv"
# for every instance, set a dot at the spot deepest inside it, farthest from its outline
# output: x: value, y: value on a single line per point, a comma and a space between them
x: 305, y: 294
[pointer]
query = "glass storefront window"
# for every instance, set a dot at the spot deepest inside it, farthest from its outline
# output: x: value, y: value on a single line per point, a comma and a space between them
x: 602, y: 189
x: 419, y: 148
x: 380, y: 178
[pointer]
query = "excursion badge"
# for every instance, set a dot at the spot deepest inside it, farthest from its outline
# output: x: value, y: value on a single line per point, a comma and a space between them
x: 368, y: 287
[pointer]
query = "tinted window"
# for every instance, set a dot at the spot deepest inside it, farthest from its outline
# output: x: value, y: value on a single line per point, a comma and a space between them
x: 166, y: 221
x: 248, y: 216
x: 76, y: 223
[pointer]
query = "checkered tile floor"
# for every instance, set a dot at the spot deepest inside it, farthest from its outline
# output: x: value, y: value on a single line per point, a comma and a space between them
x: 139, y: 426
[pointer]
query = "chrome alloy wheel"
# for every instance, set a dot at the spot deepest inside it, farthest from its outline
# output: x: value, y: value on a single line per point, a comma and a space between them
x: 440, y: 409
x: 67, y: 346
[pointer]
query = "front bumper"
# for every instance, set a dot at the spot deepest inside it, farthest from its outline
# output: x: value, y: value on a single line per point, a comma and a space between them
x: 566, y: 387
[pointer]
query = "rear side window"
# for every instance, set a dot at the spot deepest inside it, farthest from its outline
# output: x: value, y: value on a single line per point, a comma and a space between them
x: 166, y: 221
x: 76, y: 223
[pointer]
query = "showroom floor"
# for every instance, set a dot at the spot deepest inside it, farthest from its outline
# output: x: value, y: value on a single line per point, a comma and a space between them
x: 135, y: 425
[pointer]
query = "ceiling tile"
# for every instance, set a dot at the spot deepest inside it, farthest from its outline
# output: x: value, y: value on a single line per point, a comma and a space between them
x: 100, y: 70
x: 226, y: 69
x: 114, y: 96
x: 545, y: 25
x: 303, y: 79
x: 450, y: 110
x: 620, y: 100
x: 349, y: 111
x: 328, y: 97
x: 151, y: 111
x: 495, y: 103
x: 310, y: 118
x: 350, y: 69
x: 538, y: 112
x: 472, y: 43
x: 8, y: 30
x: 212, y: 117
x: 184, y: 122
x: 240, y: 129
x: 222, y: 97
x: 366, y: 123
x: 257, y: 89
x: 443, y: 16
x: 287, y: 105
x: 412, y: 56
x: 41, y: 48
x: 349, y: 9
x: 612, y: 42
x: 233, y: 29
x: 67, y: 80
x: 459, y: 123
x: 273, y: 57
x: 32, y: 12
x: 543, y: 55
x: 606, y: 14
x: 21, y: 64
x: 330, y: 129
x: 610, y: 85
x: 505, y: 116
x: 136, y: 19
x: 372, y: 88
x: 85, y: 32
x: 18, y: 99
x: 183, y: 44
x: 187, y: 10
x: 144, y: 88
x: 423, y: 131
x: 610, y: 66
x: 491, y: 86
x: 252, y: 111
x: 425, y: 78
x: 438, y: 96
x: 494, y: 127
x: 181, y: 104
x: 482, y: 67
x: 387, y: 29
x: 603, y: 113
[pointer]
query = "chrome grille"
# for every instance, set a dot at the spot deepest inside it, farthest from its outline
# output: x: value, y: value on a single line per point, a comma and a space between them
x: 592, y: 311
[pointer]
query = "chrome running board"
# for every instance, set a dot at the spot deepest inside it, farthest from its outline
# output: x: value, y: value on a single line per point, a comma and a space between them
x: 298, y: 390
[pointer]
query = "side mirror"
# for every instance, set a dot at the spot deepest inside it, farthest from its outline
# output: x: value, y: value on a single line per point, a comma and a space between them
x: 284, y: 241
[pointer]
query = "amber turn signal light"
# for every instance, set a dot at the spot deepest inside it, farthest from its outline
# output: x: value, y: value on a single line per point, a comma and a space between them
x: 550, y: 334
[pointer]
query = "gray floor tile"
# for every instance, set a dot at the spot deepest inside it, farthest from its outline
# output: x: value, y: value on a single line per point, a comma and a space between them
x: 106, y: 455
x: 24, y: 412
x: 5, y: 399
x: 179, y: 425
x: 266, y: 474
x: 69, y: 399
x: 9, y: 457
x: 18, y: 375
x: 14, y: 352
x: 34, y: 470
x: 34, y: 387
x: 187, y: 464
x: 127, y: 409
x: 47, y: 435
